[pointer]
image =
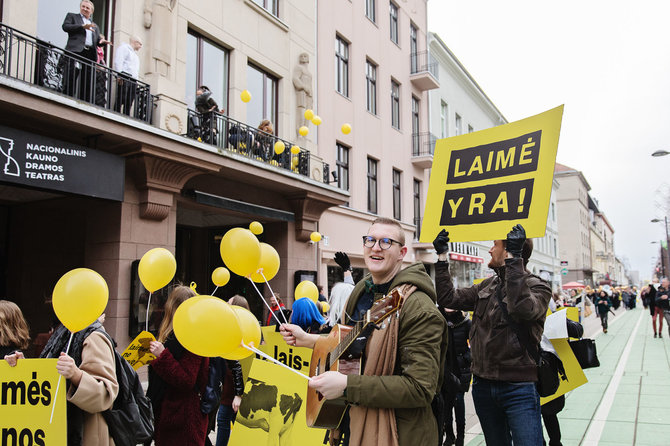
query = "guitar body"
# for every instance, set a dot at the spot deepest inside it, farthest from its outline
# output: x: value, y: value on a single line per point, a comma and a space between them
x: 323, y: 413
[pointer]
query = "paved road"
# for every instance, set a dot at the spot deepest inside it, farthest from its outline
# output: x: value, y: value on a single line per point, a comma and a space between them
x: 627, y: 398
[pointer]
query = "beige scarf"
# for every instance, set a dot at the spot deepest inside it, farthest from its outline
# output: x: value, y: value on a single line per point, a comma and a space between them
x: 375, y: 426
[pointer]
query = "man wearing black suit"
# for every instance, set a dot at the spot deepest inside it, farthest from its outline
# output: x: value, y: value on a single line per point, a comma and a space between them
x: 83, y: 39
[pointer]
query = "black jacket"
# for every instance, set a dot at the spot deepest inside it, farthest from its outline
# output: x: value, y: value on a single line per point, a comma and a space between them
x: 663, y: 304
x: 73, y: 26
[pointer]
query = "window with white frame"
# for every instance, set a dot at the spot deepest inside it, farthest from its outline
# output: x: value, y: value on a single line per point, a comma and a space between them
x: 341, y: 66
x: 393, y: 13
x: 395, y: 104
x: 371, y: 86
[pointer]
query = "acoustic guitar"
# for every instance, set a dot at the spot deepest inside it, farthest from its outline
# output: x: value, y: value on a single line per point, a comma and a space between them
x: 334, y: 353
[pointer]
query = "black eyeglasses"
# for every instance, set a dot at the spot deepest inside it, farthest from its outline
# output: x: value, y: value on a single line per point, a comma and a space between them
x: 384, y: 243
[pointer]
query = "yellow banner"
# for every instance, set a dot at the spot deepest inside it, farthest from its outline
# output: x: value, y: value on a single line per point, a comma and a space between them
x: 573, y: 370
x: 137, y: 353
x: 273, y: 409
x: 27, y: 393
x: 295, y: 357
x: 483, y: 183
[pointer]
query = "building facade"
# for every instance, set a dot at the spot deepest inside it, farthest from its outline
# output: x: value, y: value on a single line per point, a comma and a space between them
x: 109, y: 186
x: 572, y: 204
x: 546, y: 261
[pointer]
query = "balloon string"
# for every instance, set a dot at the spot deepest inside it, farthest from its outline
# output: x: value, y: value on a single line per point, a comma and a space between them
x: 213, y: 292
x: 269, y: 358
x: 267, y: 304
x: 53, y: 407
x: 273, y: 293
x: 146, y: 324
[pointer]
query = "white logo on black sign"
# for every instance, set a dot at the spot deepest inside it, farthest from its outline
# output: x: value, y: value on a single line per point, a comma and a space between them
x: 11, y: 167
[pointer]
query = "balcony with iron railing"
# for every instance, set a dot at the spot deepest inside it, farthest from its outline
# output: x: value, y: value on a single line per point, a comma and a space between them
x: 424, y: 72
x: 423, y: 148
x: 234, y: 136
x: 28, y: 59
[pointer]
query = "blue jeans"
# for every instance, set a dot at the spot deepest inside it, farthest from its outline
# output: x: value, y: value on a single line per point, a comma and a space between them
x: 224, y: 419
x: 508, y: 412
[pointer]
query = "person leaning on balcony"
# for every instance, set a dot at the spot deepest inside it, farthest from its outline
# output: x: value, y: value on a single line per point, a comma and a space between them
x: 127, y: 63
x: 264, y: 142
x: 83, y: 39
x: 206, y: 106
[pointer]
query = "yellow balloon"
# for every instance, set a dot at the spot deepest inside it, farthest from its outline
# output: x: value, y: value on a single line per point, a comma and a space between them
x: 251, y: 333
x: 315, y: 237
x: 295, y: 150
x: 79, y: 298
x: 294, y: 162
x: 157, y: 268
x: 256, y: 227
x: 269, y: 264
x: 220, y: 276
x: 303, y: 131
x: 307, y: 289
x: 279, y: 147
x: 346, y: 128
x: 316, y: 120
x: 325, y: 307
x: 240, y: 251
x: 309, y: 114
x: 245, y: 96
x: 207, y: 326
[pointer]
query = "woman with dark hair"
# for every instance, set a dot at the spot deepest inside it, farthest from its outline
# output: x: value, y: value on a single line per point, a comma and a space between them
x: 306, y: 315
x: 176, y: 379
x: 14, y: 334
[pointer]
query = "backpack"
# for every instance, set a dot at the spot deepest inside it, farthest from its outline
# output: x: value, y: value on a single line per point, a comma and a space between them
x: 131, y: 418
x: 210, y: 398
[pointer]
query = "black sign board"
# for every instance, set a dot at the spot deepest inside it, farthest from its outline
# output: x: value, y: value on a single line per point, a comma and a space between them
x: 46, y: 163
x: 564, y: 263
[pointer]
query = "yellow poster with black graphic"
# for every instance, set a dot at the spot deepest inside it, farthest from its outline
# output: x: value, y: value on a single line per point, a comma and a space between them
x: 483, y: 183
x: 573, y: 371
x: 27, y: 393
x: 137, y: 353
x: 273, y: 409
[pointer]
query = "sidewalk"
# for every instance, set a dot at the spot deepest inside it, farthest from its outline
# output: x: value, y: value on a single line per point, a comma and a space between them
x: 626, y: 399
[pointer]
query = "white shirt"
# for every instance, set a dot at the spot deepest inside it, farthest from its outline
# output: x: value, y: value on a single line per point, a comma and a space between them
x: 89, y: 33
x: 127, y: 61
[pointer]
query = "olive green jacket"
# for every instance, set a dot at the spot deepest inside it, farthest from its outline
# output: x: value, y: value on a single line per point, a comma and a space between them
x: 422, y: 348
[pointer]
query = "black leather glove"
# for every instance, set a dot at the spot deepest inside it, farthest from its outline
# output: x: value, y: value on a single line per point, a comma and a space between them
x: 515, y: 240
x: 441, y: 242
x: 343, y: 261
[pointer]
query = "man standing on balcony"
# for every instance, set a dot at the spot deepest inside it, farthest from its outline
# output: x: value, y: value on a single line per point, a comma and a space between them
x: 127, y: 63
x: 83, y: 39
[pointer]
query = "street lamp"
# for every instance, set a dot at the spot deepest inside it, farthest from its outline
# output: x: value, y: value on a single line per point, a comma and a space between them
x: 660, y: 153
x: 667, y: 238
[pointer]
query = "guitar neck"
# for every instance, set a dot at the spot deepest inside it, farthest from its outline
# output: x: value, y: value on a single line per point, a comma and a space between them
x: 348, y: 340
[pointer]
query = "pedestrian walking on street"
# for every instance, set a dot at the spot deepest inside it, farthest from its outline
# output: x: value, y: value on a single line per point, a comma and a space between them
x: 604, y: 304
x: 663, y: 304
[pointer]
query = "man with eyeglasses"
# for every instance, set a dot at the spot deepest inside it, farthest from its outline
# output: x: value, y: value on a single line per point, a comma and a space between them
x: 394, y: 408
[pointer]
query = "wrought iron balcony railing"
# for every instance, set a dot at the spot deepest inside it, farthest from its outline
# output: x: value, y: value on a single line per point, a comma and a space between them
x: 228, y: 134
x: 423, y: 61
x: 31, y: 60
x: 423, y: 144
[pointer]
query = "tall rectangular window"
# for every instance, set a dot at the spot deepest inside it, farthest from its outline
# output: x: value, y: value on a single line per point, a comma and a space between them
x: 372, y: 185
x: 370, y: 11
x: 396, y: 195
x: 341, y: 66
x: 272, y: 6
x: 413, y: 48
x: 342, y: 166
x: 416, y: 195
x: 206, y: 64
x: 395, y: 104
x: 393, y: 13
x: 371, y: 86
x: 444, y: 115
x: 459, y: 125
x: 470, y: 129
x: 263, y: 86
x: 416, y: 149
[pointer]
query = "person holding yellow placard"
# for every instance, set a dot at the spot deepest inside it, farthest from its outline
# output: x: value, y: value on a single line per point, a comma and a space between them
x: 504, y: 372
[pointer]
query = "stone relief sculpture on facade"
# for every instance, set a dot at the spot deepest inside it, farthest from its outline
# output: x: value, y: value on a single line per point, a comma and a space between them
x: 302, y: 82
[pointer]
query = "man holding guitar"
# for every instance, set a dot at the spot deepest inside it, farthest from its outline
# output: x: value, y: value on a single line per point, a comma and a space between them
x: 403, y: 359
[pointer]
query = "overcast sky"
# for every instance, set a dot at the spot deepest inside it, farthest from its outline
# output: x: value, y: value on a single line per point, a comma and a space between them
x: 609, y: 63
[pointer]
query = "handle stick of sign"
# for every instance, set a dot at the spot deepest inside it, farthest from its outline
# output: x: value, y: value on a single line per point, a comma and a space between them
x: 283, y: 316
x: 270, y: 358
x: 53, y: 406
x: 265, y: 302
x: 146, y: 322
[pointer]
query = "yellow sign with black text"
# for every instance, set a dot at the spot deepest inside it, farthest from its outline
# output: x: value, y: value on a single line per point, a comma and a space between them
x: 483, y: 183
x: 137, y: 353
x: 27, y: 393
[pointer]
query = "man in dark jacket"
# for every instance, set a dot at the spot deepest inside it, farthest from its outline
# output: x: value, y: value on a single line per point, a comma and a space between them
x: 420, y: 349
x: 663, y: 304
x: 504, y: 373
x: 83, y: 40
